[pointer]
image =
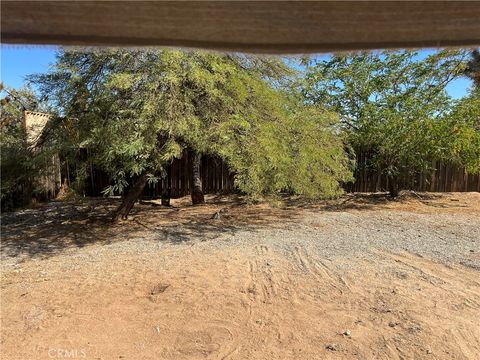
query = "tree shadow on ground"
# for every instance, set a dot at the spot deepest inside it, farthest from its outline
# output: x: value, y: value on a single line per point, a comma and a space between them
x: 51, y: 228
x: 378, y: 201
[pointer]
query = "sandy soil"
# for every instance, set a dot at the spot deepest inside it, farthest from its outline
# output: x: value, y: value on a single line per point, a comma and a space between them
x: 359, y: 278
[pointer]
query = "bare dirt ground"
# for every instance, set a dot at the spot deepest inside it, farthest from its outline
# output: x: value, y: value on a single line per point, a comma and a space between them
x: 358, y: 278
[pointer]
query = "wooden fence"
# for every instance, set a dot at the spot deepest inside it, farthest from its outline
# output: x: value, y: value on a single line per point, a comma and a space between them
x: 215, y: 174
x: 442, y: 178
x: 216, y: 178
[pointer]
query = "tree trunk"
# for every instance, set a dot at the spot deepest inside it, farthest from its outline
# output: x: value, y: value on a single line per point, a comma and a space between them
x: 197, y: 191
x: 167, y: 191
x: 130, y: 199
x: 393, y: 186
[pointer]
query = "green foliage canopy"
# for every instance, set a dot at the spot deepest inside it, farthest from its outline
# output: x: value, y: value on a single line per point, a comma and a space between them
x: 18, y: 162
x: 394, y: 105
x: 136, y: 110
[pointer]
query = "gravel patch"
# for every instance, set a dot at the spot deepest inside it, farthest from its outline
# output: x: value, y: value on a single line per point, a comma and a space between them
x: 80, y: 230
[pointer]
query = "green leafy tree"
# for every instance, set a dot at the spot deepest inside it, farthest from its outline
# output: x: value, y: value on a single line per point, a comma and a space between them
x: 302, y: 152
x: 138, y: 110
x: 459, y: 134
x: 391, y: 104
x: 473, y: 68
x: 18, y: 162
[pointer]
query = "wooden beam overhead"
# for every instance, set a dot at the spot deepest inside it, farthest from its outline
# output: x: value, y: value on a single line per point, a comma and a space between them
x: 263, y: 27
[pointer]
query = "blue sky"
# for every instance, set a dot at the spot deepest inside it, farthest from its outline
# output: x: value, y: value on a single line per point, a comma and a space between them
x: 20, y: 61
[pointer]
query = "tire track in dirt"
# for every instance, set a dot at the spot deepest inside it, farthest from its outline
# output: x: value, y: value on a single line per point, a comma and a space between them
x: 319, y: 270
x: 215, y: 339
x: 441, y: 276
x: 206, y: 332
x: 262, y: 277
x: 264, y: 290
x: 269, y: 281
x: 467, y: 341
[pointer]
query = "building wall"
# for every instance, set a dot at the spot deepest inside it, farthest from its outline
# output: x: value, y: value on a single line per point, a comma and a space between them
x: 47, y: 180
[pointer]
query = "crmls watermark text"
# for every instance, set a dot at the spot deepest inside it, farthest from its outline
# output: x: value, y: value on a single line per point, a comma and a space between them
x: 67, y: 354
